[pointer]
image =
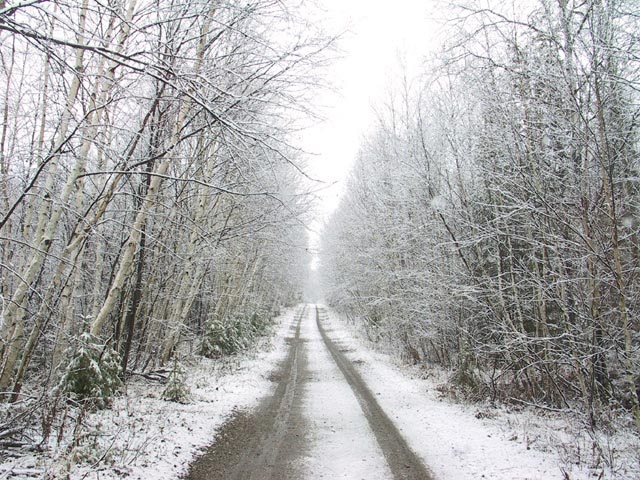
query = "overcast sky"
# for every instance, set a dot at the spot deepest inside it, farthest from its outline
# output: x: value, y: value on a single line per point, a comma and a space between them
x: 380, y: 34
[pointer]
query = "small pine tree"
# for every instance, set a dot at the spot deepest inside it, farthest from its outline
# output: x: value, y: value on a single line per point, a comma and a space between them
x: 93, y: 374
x: 258, y: 325
x: 221, y: 338
x: 177, y: 389
x: 233, y: 334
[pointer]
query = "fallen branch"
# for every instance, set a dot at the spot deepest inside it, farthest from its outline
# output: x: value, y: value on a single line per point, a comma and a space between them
x: 24, y: 472
x: 30, y: 447
x: 9, y: 431
x: 540, y: 406
x: 156, y: 376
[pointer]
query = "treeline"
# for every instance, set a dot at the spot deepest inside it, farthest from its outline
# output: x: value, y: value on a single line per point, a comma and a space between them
x: 490, y: 223
x: 149, y: 195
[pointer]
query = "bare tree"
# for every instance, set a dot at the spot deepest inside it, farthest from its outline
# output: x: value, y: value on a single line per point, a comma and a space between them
x: 160, y: 146
x: 512, y: 170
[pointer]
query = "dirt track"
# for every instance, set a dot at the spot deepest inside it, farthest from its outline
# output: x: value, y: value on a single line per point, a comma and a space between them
x: 277, y: 440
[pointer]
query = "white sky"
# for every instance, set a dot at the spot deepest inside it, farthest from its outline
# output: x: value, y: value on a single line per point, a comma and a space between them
x: 380, y: 33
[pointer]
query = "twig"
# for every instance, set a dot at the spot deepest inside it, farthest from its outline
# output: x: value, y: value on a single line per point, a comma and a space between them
x: 8, y: 432
x: 542, y: 407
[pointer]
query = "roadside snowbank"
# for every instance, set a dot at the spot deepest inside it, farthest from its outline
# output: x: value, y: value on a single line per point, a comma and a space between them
x: 458, y: 441
x: 143, y: 437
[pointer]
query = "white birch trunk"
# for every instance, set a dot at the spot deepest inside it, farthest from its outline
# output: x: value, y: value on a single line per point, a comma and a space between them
x: 131, y: 247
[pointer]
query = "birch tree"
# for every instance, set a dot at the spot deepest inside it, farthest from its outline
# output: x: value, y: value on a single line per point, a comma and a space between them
x: 158, y: 127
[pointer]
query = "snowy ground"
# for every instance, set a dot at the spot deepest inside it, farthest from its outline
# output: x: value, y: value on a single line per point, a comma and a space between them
x: 343, y: 445
x: 462, y: 442
x: 143, y: 437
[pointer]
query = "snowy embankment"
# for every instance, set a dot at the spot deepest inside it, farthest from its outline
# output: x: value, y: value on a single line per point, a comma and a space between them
x: 144, y: 437
x: 468, y: 441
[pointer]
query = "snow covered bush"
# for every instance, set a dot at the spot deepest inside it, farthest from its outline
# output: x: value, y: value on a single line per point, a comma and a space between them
x: 177, y: 389
x: 220, y: 339
x: 259, y: 324
x: 233, y: 334
x: 93, y: 374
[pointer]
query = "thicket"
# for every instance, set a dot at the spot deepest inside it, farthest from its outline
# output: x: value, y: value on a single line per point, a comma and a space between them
x: 229, y: 336
x: 149, y: 188
x: 491, y: 221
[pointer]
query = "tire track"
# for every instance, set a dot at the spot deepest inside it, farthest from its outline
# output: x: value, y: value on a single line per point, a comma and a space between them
x: 258, y: 446
x: 403, y: 462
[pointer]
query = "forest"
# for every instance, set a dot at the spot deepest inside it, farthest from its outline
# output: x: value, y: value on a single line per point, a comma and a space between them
x: 156, y: 202
x: 490, y: 224
x: 151, y: 200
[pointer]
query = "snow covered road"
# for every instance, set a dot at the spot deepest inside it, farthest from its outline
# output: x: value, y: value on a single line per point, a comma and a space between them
x: 285, y: 410
x: 342, y: 444
x: 321, y: 423
x: 341, y: 411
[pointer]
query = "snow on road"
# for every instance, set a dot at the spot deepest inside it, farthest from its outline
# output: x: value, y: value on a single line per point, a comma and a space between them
x: 335, y: 436
x: 343, y: 445
x: 448, y: 437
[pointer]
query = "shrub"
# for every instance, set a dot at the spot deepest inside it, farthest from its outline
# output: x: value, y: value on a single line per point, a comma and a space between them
x: 177, y: 389
x: 93, y: 374
x: 220, y: 338
x: 232, y: 335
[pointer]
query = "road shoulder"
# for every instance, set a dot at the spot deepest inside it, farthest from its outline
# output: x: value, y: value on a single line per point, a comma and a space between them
x: 447, y: 436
